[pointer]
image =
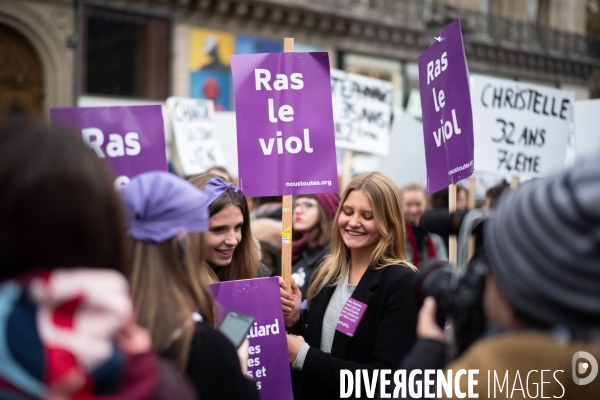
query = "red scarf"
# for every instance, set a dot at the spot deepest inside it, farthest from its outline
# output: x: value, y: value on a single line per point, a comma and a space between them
x: 431, y: 253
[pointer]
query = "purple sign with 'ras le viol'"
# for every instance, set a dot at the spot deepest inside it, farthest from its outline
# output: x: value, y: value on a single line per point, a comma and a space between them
x: 447, y: 114
x: 268, y: 359
x: 130, y: 138
x: 285, y: 133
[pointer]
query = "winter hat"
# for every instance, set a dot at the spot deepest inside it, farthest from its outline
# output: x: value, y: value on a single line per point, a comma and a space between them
x: 329, y: 202
x: 543, y: 243
x: 159, y: 206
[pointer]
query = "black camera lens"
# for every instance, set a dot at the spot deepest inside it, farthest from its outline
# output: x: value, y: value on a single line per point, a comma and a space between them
x: 434, y: 279
x: 459, y: 299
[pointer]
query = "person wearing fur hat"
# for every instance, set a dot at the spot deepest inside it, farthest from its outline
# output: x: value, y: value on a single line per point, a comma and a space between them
x: 542, y: 296
x: 312, y: 219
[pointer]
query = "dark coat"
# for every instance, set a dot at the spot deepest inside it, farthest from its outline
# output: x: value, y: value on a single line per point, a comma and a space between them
x: 383, y: 337
x: 263, y: 271
x: 304, y: 267
x: 214, y: 367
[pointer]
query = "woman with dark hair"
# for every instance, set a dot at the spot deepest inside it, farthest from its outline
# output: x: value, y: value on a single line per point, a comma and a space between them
x: 67, y: 321
x: 166, y: 221
x: 231, y: 251
x: 312, y: 221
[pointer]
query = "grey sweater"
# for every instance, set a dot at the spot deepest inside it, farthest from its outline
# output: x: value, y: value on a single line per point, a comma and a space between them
x: 340, y: 296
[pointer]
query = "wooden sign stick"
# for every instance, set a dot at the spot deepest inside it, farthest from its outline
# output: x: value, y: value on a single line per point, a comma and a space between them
x: 452, y: 207
x: 348, y: 164
x: 286, y: 213
x: 515, y: 182
x: 471, y: 204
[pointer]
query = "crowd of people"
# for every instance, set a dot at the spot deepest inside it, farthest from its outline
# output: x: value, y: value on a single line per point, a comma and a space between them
x: 103, y: 293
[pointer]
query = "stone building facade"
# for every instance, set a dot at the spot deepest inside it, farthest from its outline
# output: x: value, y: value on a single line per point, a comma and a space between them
x: 54, y: 53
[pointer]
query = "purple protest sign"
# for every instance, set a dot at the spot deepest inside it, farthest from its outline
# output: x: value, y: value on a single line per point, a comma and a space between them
x: 445, y: 97
x: 286, y: 139
x: 350, y: 316
x: 268, y: 359
x: 131, y: 139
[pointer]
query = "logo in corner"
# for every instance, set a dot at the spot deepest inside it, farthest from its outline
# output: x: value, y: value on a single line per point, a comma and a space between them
x: 581, y: 367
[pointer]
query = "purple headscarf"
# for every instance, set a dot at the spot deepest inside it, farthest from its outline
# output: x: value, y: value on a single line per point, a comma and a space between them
x: 159, y: 206
x: 216, y: 187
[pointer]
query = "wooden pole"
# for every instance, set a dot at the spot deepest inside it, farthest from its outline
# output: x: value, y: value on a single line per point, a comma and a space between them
x: 515, y: 182
x: 348, y: 163
x: 452, y: 207
x: 286, y: 213
x: 472, y: 188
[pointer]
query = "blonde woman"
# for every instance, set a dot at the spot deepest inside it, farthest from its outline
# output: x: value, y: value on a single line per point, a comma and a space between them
x: 231, y: 252
x: 367, y: 273
x: 166, y: 221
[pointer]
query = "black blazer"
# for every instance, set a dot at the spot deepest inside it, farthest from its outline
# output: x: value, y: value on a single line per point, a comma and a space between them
x: 385, y: 334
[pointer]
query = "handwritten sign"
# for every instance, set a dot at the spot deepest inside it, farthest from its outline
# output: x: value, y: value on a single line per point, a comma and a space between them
x: 195, y: 134
x: 522, y: 129
x: 268, y: 360
x: 131, y: 139
x: 447, y: 115
x: 362, y: 109
x: 284, y: 124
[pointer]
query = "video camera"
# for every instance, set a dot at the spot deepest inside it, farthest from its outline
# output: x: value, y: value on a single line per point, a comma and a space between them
x: 458, y: 290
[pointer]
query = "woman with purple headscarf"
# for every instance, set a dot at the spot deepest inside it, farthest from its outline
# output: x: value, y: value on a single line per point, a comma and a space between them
x: 167, y: 218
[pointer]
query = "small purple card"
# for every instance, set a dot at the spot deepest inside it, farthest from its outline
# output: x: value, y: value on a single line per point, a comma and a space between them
x: 351, y: 316
x: 286, y: 138
x: 447, y: 113
x: 130, y: 138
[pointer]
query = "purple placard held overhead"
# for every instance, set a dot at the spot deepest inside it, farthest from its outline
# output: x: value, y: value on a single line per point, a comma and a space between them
x: 447, y: 115
x: 131, y: 139
x: 286, y: 139
x: 268, y: 359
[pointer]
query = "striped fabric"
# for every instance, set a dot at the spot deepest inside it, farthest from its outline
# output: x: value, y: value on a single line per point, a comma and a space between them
x: 58, y: 338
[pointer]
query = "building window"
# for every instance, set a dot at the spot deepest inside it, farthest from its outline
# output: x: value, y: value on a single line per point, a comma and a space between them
x: 543, y: 17
x: 125, y: 54
x: 495, y: 8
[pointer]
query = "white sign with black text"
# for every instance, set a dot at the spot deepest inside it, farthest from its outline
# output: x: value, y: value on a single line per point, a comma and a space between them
x: 362, y: 109
x: 195, y: 134
x: 521, y: 129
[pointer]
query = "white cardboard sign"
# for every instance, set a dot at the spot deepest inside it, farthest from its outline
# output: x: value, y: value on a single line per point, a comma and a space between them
x: 407, y: 163
x: 195, y: 134
x: 520, y: 129
x: 362, y: 108
x: 587, y: 128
